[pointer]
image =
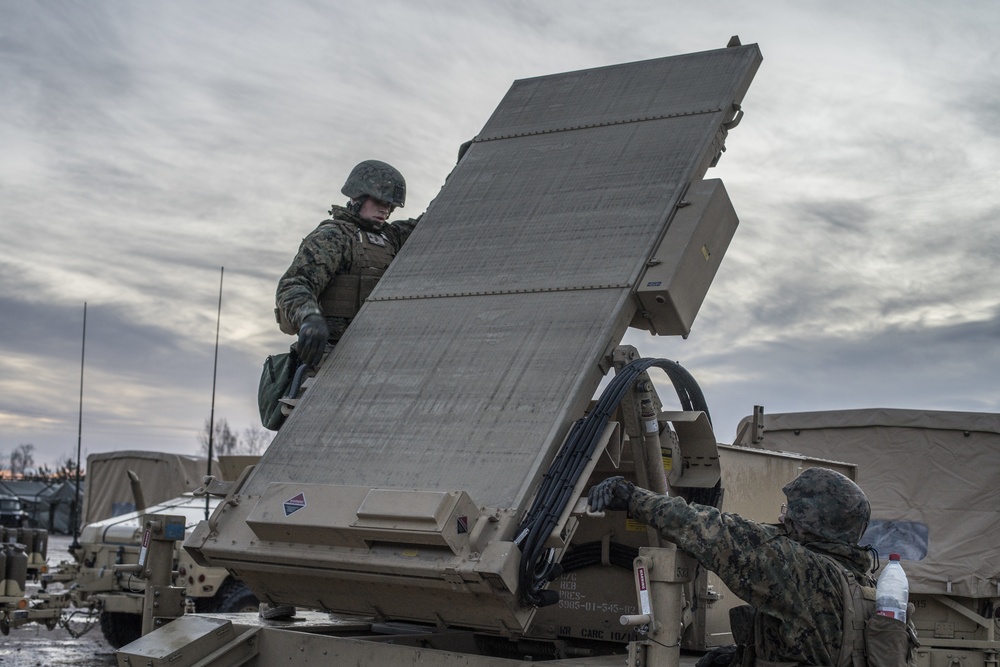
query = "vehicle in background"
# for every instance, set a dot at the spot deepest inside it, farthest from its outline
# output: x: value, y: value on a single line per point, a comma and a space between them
x: 12, y: 515
x: 110, y: 491
x: 119, y: 597
x: 89, y: 581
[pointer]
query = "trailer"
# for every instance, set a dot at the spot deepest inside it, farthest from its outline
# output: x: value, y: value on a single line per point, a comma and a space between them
x: 423, y: 503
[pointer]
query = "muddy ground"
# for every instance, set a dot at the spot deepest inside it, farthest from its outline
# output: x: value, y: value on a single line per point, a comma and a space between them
x: 33, y: 645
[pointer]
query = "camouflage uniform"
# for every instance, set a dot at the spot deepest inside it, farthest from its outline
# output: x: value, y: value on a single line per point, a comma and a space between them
x: 795, y: 585
x: 326, y: 252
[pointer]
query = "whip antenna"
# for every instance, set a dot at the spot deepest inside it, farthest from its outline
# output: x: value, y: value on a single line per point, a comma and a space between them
x: 79, y: 440
x: 215, y: 369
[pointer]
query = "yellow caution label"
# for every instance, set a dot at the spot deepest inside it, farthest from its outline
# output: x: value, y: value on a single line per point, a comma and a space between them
x: 668, y: 462
x: 634, y: 526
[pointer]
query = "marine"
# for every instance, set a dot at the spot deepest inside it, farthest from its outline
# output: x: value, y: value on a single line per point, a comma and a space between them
x: 339, y: 263
x: 803, y: 576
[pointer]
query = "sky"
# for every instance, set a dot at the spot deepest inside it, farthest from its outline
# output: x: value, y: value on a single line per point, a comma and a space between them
x: 148, y: 150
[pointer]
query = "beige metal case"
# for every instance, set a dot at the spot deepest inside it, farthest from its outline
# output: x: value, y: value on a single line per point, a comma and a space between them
x: 682, y: 268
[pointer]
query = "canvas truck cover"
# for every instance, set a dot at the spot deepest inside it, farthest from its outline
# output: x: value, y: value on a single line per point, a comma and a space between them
x: 455, y: 385
x: 933, y: 480
x: 108, y: 491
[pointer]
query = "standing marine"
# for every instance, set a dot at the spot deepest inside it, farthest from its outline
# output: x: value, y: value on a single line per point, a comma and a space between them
x: 807, y: 579
x: 339, y: 263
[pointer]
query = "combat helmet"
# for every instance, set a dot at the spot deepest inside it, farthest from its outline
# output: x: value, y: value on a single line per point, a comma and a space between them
x: 376, y: 179
x: 827, y: 504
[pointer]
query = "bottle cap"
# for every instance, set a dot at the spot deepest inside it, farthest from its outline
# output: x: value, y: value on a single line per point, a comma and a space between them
x: 893, y: 556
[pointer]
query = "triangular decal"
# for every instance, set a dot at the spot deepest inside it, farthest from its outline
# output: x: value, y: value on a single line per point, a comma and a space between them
x: 295, y: 504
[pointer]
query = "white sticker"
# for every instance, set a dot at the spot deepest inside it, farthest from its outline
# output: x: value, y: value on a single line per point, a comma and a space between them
x: 144, y: 548
x: 643, y: 590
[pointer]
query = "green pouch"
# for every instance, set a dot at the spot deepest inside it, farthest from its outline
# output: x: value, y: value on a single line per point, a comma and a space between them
x: 275, y: 378
x: 890, y: 643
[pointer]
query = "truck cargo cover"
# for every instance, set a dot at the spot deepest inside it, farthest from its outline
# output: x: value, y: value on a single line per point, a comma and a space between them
x: 163, y: 476
x: 485, y: 338
x: 933, y: 468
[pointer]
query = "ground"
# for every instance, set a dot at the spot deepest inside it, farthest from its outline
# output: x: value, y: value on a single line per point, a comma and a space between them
x: 34, y: 646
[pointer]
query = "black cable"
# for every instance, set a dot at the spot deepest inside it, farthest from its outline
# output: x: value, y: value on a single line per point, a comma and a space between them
x: 590, y: 553
x: 561, y: 479
x: 556, y: 488
x: 675, y: 645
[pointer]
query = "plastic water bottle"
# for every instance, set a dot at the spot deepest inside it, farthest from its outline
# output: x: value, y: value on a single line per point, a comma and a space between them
x: 892, y: 591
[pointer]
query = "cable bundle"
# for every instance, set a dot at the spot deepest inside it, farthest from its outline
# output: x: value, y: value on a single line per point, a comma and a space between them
x: 537, y: 567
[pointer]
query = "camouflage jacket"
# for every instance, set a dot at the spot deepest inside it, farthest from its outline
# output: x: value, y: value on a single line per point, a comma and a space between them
x: 796, y: 588
x: 324, y: 253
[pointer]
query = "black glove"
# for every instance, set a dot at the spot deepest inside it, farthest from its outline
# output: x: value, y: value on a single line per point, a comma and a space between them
x: 611, y: 494
x: 312, y: 340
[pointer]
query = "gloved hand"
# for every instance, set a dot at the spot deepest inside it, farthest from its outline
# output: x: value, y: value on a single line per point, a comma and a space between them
x: 312, y: 340
x: 611, y: 494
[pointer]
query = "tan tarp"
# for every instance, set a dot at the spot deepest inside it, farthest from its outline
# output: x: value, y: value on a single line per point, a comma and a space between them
x: 163, y: 476
x: 932, y: 468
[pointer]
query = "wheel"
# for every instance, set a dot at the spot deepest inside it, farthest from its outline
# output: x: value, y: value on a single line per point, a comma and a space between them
x: 232, y: 597
x: 120, y: 628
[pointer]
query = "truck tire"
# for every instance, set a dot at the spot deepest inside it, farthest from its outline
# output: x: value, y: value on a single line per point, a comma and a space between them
x: 232, y: 597
x: 120, y: 628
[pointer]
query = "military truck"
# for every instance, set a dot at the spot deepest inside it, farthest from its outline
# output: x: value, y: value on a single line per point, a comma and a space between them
x: 119, y: 485
x: 931, y: 477
x: 123, y: 481
x: 119, y: 597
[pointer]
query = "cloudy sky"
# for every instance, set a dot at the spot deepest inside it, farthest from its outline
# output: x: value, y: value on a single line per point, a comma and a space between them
x: 143, y: 146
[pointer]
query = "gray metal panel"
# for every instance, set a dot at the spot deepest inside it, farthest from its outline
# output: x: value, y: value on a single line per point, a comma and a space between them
x: 552, y: 211
x: 482, y: 342
x: 691, y: 83
x: 469, y: 396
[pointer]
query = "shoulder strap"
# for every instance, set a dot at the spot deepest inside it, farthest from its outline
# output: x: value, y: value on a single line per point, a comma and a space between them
x: 859, y: 605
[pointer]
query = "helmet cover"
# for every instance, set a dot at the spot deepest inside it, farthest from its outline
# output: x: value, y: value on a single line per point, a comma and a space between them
x: 376, y: 179
x: 828, y: 505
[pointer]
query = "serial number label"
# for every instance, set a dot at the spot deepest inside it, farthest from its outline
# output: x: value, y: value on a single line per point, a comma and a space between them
x: 597, y: 607
x: 572, y: 599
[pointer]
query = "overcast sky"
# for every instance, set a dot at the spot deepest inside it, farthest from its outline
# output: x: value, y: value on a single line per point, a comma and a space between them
x: 145, y: 145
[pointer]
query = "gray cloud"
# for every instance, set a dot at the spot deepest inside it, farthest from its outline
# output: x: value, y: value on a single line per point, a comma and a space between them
x: 145, y: 146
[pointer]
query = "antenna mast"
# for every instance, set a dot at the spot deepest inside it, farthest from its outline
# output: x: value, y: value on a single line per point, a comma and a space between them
x: 79, y: 439
x: 215, y: 369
